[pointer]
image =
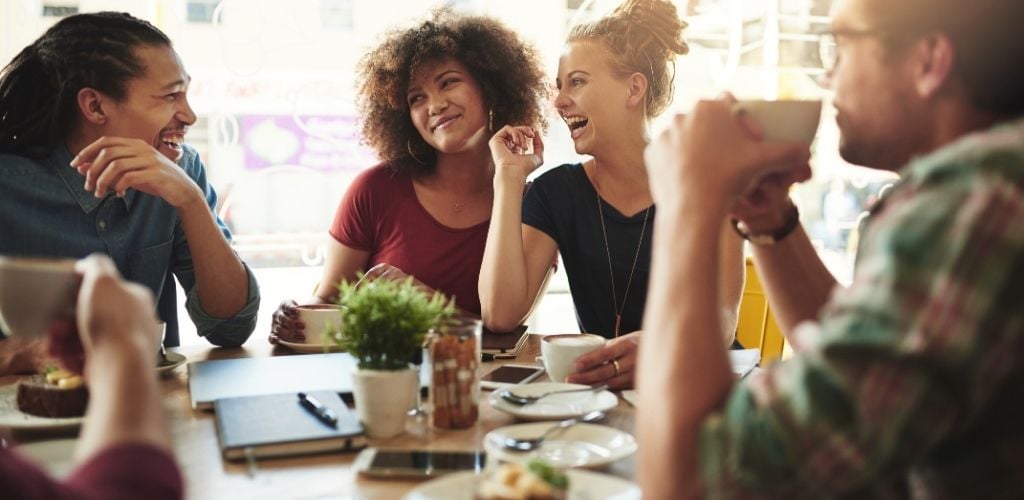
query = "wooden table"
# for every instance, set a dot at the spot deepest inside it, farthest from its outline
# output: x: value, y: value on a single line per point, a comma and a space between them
x: 207, y: 475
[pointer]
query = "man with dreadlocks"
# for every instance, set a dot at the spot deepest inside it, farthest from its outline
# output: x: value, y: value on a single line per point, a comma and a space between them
x: 93, y: 117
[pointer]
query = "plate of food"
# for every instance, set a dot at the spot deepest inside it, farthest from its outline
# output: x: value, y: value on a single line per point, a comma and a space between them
x: 55, y: 400
x: 535, y: 480
x: 553, y: 406
x: 581, y: 445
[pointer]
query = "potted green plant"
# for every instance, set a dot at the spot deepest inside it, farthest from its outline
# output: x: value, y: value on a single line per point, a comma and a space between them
x: 383, y: 327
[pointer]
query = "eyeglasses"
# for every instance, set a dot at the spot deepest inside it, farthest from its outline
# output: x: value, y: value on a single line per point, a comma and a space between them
x: 828, y: 44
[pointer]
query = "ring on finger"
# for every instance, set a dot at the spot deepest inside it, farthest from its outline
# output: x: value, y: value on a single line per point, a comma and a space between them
x: 615, y: 365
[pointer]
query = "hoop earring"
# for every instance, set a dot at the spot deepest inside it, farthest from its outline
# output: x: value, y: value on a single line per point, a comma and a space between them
x: 408, y: 146
x: 490, y: 120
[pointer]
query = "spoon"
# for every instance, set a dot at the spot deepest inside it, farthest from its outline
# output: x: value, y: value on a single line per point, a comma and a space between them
x: 518, y: 400
x: 528, y: 444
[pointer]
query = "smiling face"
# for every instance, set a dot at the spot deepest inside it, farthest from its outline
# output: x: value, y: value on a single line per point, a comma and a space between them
x: 446, y: 105
x: 878, y: 113
x: 155, y: 108
x: 588, y: 96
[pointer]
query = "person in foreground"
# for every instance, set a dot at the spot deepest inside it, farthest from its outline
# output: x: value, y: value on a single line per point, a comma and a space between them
x: 93, y: 116
x: 615, y: 75
x: 431, y: 96
x: 907, y: 383
x: 124, y: 450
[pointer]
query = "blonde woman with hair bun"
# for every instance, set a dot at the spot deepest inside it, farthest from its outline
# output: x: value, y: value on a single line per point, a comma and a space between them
x: 615, y: 75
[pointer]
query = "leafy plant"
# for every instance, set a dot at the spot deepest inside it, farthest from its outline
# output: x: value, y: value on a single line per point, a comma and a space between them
x: 385, y: 321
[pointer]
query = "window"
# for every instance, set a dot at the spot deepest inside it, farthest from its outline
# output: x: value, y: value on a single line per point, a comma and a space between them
x: 59, y: 9
x: 336, y: 14
x: 201, y: 11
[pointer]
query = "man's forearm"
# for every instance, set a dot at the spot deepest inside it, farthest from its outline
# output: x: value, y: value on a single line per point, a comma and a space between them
x: 221, y: 280
x: 683, y: 345
x: 795, y: 279
x: 124, y: 404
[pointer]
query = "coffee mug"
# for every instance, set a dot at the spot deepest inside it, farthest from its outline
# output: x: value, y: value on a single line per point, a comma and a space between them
x: 319, y: 319
x: 34, y: 292
x: 559, y: 352
x: 786, y: 120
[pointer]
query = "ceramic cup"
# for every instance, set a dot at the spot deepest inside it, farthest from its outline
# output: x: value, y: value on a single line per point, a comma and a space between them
x: 784, y: 120
x: 34, y: 292
x: 319, y: 319
x: 559, y: 352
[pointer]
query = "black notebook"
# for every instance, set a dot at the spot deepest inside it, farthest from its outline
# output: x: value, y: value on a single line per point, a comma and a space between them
x: 277, y: 425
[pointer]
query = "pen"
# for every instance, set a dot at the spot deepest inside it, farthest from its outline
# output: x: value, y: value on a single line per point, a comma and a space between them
x: 321, y: 412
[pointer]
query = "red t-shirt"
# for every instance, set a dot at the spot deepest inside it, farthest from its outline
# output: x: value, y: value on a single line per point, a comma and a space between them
x: 380, y: 214
x: 128, y: 471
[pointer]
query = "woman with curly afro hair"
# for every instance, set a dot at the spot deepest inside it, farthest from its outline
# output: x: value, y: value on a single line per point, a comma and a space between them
x: 430, y: 98
x: 614, y: 76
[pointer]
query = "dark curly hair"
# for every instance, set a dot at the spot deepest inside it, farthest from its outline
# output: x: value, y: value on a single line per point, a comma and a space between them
x: 642, y: 36
x: 39, y: 88
x: 507, y: 69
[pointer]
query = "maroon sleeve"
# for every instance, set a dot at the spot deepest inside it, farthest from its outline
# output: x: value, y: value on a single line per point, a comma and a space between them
x: 124, y: 471
x: 354, y: 224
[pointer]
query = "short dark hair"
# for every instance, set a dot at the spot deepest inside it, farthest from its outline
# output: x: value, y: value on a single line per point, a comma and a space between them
x: 986, y: 40
x: 39, y: 88
x: 508, y: 70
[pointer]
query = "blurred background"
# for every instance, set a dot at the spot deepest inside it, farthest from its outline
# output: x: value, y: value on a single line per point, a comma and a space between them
x: 273, y: 86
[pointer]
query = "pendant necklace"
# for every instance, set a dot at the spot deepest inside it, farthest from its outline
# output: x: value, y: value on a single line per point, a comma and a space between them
x: 611, y: 273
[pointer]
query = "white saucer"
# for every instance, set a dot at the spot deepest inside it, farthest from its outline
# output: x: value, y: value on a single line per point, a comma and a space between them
x: 556, y: 406
x: 309, y: 348
x: 13, y: 418
x: 176, y: 358
x: 582, y: 445
x: 55, y: 455
x: 582, y: 485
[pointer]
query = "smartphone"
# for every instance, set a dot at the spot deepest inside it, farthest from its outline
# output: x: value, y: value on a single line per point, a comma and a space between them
x: 393, y: 462
x: 509, y: 375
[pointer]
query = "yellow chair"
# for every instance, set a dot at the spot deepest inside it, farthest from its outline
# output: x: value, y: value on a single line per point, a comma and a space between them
x: 756, y: 326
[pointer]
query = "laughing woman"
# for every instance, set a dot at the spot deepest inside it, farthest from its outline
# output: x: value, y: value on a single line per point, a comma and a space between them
x: 614, y: 76
x: 430, y: 98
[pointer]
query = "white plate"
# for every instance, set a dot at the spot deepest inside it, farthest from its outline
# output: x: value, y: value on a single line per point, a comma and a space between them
x: 55, y: 455
x: 555, y: 406
x: 583, y: 485
x: 177, y: 358
x: 12, y: 418
x: 309, y: 348
x: 582, y: 445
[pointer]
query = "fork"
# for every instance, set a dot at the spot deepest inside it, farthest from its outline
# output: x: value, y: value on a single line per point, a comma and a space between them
x: 524, y: 444
x: 518, y: 400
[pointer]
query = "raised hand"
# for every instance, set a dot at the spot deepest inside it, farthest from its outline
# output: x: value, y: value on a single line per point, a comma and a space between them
x: 115, y: 164
x: 517, y: 150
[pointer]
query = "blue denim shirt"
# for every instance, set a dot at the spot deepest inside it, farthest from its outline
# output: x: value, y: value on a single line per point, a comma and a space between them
x: 46, y: 212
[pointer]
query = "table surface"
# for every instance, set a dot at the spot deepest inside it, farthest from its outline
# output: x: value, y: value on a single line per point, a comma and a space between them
x: 207, y: 475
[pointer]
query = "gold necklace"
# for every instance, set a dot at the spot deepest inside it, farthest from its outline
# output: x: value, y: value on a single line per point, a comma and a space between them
x: 607, y: 251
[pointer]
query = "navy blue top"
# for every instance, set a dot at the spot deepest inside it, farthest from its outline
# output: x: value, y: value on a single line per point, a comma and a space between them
x: 46, y: 212
x: 563, y: 204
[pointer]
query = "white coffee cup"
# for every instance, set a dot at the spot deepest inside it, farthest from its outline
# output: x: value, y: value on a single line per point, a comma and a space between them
x: 561, y: 351
x: 786, y: 120
x: 34, y: 292
x: 319, y: 319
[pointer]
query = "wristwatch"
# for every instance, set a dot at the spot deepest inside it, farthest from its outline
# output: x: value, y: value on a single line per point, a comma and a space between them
x: 767, y: 239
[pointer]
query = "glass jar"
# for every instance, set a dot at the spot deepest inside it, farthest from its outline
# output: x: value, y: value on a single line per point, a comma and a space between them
x: 453, y: 354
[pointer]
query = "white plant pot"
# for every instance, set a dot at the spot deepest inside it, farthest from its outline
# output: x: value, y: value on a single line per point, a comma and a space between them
x: 383, y: 399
